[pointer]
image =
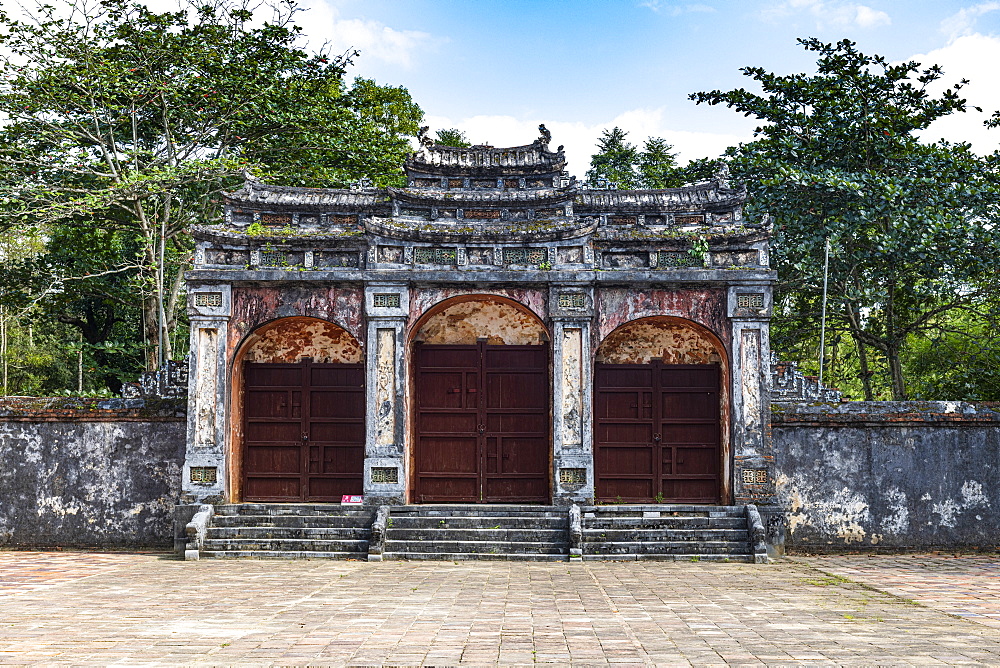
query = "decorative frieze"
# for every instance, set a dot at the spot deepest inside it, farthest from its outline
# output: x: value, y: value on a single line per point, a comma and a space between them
x: 572, y: 300
x: 751, y: 300
x: 385, y: 475
x: 208, y: 299
x: 525, y: 256
x: 431, y: 255
x: 385, y: 300
x: 203, y: 475
x: 674, y: 259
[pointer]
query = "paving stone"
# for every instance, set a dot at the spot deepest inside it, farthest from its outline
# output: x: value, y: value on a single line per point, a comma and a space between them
x: 147, y: 609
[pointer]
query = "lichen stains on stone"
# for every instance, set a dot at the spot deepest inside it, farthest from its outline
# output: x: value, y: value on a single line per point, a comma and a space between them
x: 499, y: 322
x: 292, y: 339
x: 705, y: 306
x: 256, y: 306
x: 657, y: 339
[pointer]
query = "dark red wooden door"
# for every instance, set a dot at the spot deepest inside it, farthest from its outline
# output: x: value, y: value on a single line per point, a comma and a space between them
x: 304, y: 431
x: 482, y: 423
x: 656, y: 432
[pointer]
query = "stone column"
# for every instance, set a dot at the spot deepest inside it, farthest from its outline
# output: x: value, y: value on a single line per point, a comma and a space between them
x: 205, y: 465
x: 571, y: 308
x: 753, y: 457
x: 386, y: 307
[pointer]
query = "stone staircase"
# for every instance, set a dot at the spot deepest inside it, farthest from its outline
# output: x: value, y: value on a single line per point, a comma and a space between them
x: 666, y: 533
x: 468, y: 532
x: 288, y: 531
x: 511, y: 532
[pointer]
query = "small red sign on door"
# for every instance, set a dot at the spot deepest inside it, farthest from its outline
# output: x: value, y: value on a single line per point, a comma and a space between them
x: 351, y: 499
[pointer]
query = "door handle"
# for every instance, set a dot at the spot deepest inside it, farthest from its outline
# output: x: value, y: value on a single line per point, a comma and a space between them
x: 305, y: 437
x: 482, y: 429
x: 656, y: 437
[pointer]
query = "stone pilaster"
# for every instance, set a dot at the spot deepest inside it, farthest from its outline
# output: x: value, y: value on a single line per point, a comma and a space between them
x: 205, y: 473
x: 572, y: 441
x: 386, y: 308
x: 753, y: 456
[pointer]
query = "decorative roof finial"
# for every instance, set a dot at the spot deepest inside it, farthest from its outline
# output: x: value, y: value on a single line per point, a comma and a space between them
x: 722, y: 175
x: 423, y: 137
x: 546, y: 135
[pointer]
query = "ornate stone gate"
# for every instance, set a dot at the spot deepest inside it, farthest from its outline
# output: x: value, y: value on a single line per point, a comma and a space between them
x: 487, y: 248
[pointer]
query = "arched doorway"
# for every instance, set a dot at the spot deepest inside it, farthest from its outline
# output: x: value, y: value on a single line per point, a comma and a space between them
x: 659, y: 392
x: 302, y: 412
x: 481, y: 402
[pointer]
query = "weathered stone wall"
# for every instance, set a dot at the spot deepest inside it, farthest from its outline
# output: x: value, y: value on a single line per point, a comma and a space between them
x: 88, y: 477
x: 888, y: 475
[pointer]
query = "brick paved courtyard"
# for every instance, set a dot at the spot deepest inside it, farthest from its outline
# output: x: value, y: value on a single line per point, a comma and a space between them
x: 143, y: 609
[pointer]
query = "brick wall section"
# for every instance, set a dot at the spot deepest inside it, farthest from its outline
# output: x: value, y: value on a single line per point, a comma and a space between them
x: 872, y: 476
x: 77, y: 475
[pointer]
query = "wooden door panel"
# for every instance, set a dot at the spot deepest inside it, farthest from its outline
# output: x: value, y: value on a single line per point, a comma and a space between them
x: 690, y: 405
x: 343, y: 403
x: 659, y: 439
x: 273, y: 432
x: 273, y: 375
x: 482, y: 418
x: 269, y: 404
x: 616, y: 461
x: 691, y: 433
x: 337, y: 432
x: 695, y: 461
x: 274, y: 458
x: 625, y: 432
x: 303, y: 431
x: 444, y: 454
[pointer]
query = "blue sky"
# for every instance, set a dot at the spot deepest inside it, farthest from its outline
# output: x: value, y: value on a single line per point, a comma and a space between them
x: 496, y: 69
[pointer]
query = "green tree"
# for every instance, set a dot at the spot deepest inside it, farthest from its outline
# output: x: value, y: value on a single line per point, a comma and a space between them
x: 654, y: 167
x: 133, y: 122
x: 837, y: 157
x: 615, y: 160
x: 452, y: 137
x: 657, y: 166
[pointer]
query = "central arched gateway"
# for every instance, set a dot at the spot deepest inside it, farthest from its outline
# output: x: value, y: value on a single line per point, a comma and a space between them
x: 659, y: 387
x: 481, y: 397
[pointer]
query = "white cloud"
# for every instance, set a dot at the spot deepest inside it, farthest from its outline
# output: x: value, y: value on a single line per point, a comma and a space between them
x: 659, y: 7
x: 963, y: 22
x: 971, y: 57
x: 580, y: 138
x: 831, y: 14
x: 372, y: 38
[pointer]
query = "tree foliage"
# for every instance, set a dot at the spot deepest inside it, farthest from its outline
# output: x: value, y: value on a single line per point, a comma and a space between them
x: 452, y: 137
x: 623, y: 165
x: 838, y: 157
x: 123, y: 126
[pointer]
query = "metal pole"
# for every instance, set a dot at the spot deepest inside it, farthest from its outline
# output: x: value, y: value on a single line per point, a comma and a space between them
x: 822, y: 329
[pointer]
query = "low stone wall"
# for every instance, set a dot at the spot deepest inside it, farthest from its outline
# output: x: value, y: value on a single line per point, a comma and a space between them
x: 75, y: 474
x: 876, y: 476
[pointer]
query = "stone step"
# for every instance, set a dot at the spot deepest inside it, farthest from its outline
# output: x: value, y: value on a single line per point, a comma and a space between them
x: 285, y: 545
x: 731, y: 558
x: 472, y: 556
x: 539, y: 535
x: 293, y: 509
x: 475, y: 547
x: 662, y: 510
x: 497, y: 522
x: 438, y: 511
x: 659, y: 534
x: 291, y: 521
x: 667, y: 547
x: 279, y: 554
x: 664, y: 522
x: 312, y: 533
